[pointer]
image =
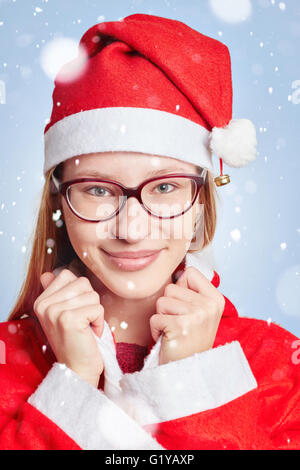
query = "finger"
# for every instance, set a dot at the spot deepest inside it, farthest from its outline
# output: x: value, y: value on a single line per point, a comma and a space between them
x: 164, y: 325
x: 85, y: 299
x: 158, y: 325
x: 61, y: 280
x: 175, y: 291
x: 83, y: 317
x: 193, y: 279
x: 46, y: 279
x: 72, y: 290
x: 170, y: 306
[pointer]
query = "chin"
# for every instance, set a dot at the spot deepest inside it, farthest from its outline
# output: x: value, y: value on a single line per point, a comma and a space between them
x: 129, y: 289
x: 137, y: 284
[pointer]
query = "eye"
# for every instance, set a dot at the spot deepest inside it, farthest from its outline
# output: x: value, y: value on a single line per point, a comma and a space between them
x: 164, y: 185
x: 100, y: 190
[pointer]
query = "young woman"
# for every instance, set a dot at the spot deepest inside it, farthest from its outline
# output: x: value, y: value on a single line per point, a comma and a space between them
x: 120, y: 338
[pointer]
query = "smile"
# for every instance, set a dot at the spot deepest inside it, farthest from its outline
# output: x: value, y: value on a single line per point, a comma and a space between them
x: 132, y: 264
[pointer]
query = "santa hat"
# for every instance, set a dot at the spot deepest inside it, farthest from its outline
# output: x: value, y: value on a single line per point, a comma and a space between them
x: 152, y: 85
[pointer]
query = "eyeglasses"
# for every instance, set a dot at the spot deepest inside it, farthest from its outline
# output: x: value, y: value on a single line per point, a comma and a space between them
x: 165, y: 197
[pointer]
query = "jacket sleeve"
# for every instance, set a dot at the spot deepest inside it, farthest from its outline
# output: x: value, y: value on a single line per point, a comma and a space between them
x: 65, y: 412
x: 213, y: 400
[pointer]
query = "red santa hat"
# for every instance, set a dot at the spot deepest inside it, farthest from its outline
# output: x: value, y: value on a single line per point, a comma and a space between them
x: 152, y: 85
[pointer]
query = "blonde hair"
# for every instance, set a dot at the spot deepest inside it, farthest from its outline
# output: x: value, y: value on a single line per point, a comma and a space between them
x: 62, y: 252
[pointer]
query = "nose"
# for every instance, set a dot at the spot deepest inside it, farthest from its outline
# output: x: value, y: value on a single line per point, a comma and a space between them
x: 132, y: 222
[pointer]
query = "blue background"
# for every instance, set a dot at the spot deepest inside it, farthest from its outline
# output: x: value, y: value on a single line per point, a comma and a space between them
x: 260, y: 267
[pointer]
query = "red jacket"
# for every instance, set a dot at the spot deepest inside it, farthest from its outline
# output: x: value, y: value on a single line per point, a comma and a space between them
x: 244, y: 393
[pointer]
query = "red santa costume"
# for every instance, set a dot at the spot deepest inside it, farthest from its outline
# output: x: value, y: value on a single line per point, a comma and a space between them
x: 152, y: 85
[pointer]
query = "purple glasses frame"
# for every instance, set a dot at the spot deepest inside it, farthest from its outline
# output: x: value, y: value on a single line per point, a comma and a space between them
x: 62, y: 187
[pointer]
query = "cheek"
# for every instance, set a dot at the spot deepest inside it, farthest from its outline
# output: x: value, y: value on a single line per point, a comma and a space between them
x: 82, y: 233
x: 181, y: 228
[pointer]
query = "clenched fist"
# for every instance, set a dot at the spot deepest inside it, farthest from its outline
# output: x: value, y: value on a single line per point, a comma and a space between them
x: 188, y: 316
x: 68, y: 310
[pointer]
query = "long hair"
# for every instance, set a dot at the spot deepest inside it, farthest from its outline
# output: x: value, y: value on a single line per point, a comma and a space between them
x: 51, y: 246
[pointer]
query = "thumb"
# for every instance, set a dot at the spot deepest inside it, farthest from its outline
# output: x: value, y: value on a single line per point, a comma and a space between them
x: 46, y: 279
x: 158, y: 323
x: 97, y: 327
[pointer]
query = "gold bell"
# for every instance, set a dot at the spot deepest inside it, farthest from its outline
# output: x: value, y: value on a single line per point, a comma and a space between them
x: 221, y: 180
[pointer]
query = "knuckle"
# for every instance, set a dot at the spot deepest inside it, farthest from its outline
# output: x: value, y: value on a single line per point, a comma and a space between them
x: 160, y: 303
x: 153, y: 319
x: 65, y: 318
x: 100, y: 310
x: 38, y: 306
x: 66, y: 274
x: 169, y: 289
x: 213, y: 304
x: 84, y: 282
x: 51, y: 309
x: 95, y: 296
x: 35, y: 304
x: 222, y: 302
x: 50, y: 313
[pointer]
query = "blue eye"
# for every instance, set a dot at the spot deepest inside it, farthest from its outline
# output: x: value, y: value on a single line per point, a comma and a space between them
x: 164, y: 185
x: 100, y: 188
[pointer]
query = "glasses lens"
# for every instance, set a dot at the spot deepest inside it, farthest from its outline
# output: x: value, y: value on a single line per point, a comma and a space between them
x: 93, y: 200
x: 169, y: 196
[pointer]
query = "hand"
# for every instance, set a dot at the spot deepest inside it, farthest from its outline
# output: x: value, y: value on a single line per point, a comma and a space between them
x: 188, y: 316
x: 68, y: 310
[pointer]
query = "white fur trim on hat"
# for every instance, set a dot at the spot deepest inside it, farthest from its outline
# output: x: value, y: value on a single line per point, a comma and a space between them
x: 235, y: 143
x: 128, y: 129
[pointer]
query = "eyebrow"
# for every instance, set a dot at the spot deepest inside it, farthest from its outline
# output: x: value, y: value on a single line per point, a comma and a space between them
x: 162, y: 171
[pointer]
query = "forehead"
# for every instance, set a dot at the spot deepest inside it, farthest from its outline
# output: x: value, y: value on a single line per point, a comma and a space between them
x: 123, y: 163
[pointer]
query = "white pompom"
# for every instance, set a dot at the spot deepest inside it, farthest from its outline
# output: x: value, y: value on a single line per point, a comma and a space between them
x: 234, y: 143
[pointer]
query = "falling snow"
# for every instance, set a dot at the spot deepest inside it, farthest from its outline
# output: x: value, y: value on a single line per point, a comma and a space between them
x: 12, y: 328
x: 56, y: 215
x: 258, y: 196
x: 50, y: 243
x: 124, y: 325
x: 130, y: 285
x: 235, y: 235
x: 59, y: 52
x: 231, y: 11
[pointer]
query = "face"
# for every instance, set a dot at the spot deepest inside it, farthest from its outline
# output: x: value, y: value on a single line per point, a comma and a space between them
x: 133, y: 229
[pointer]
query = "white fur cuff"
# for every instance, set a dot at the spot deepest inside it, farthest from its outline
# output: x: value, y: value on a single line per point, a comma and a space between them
x: 85, y: 414
x: 191, y: 385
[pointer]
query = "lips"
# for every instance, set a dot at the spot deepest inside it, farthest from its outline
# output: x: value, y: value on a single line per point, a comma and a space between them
x: 133, y: 254
x: 135, y: 262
